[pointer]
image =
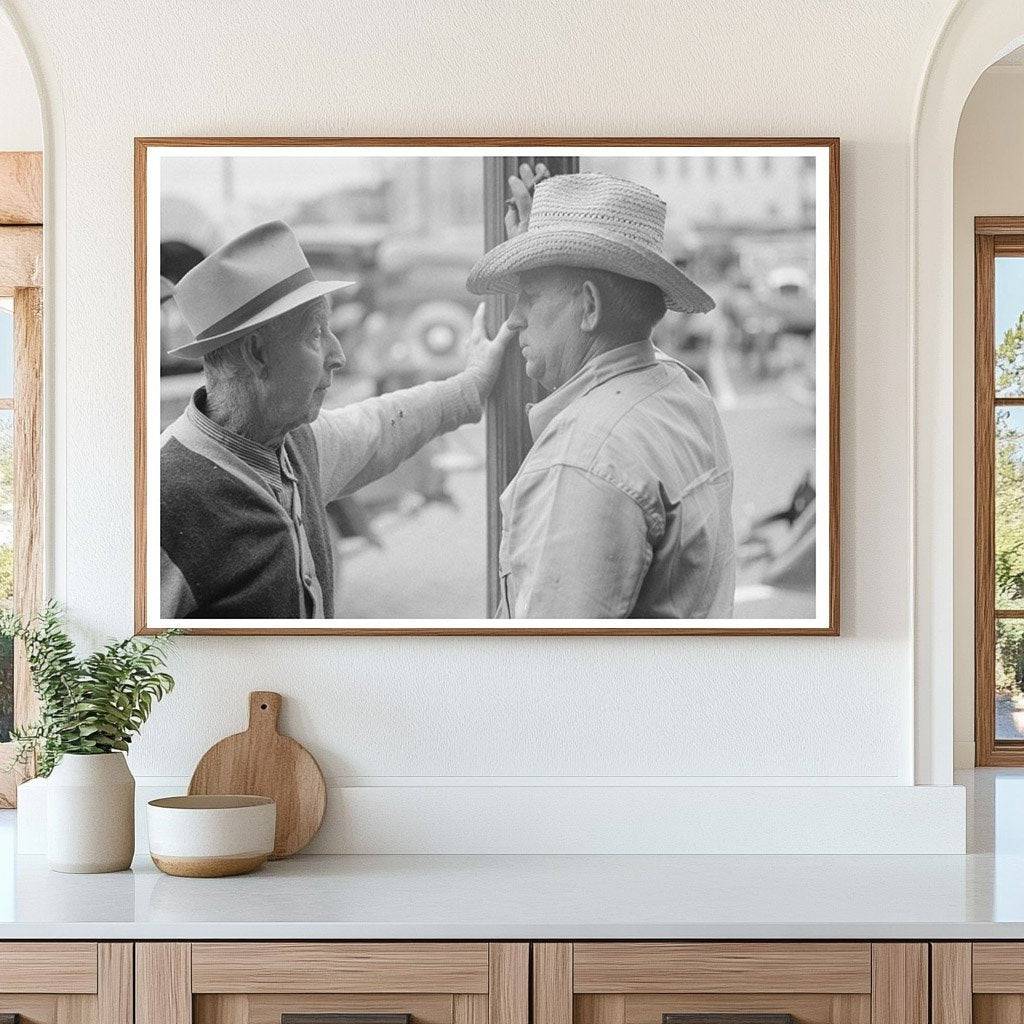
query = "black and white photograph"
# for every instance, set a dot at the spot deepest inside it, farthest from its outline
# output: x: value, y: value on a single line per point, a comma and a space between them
x: 456, y: 387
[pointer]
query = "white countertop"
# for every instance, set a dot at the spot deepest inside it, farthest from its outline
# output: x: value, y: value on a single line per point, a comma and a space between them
x: 532, y: 897
x: 979, y: 896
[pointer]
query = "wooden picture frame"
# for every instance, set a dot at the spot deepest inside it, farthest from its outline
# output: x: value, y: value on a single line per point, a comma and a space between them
x: 503, y: 408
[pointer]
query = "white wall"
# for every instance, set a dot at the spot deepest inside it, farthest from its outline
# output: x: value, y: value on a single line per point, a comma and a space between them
x: 21, y: 125
x: 445, y: 712
x: 988, y: 181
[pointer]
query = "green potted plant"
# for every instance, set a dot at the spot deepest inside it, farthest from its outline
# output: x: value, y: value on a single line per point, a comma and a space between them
x: 89, y: 710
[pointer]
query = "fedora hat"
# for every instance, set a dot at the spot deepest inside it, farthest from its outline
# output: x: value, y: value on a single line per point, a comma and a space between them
x: 591, y: 220
x: 254, y: 278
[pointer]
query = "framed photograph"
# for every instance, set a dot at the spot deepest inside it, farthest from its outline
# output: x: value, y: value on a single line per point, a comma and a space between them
x: 487, y: 386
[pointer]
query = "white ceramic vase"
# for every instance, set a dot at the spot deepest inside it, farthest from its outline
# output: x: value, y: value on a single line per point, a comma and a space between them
x: 90, y: 814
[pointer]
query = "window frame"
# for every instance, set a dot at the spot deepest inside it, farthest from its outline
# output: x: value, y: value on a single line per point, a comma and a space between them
x: 21, y: 255
x: 993, y: 237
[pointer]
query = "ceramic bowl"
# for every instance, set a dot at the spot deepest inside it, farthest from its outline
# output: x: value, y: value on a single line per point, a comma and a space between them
x: 211, y: 836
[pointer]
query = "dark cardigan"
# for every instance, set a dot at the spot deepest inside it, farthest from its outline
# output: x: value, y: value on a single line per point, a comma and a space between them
x: 233, y: 542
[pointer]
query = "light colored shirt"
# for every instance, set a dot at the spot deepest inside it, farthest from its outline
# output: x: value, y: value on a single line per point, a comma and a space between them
x: 623, y: 506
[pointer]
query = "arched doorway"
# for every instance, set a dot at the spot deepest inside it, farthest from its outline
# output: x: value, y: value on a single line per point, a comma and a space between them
x: 976, y: 33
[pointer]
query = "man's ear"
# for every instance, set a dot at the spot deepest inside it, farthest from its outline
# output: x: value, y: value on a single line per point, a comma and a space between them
x: 253, y: 355
x: 591, y: 307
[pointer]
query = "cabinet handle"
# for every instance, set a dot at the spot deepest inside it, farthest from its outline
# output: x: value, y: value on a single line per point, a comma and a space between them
x: 728, y: 1018
x: 337, y: 1018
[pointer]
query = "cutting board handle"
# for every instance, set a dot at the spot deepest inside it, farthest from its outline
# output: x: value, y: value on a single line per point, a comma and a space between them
x: 264, y: 709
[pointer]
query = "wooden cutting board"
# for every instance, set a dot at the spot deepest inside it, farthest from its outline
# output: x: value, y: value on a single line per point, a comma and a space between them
x: 262, y: 762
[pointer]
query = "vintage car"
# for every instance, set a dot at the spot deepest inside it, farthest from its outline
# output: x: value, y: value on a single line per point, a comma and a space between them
x: 759, y: 321
x: 409, y: 314
x: 786, y: 294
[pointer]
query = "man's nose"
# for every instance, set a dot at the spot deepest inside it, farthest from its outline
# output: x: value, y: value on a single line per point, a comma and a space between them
x: 516, y: 319
x: 335, y: 354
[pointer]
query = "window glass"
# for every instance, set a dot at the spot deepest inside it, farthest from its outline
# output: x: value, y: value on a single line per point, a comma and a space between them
x: 6, y: 349
x: 1009, y: 508
x: 1009, y: 679
x: 1009, y: 327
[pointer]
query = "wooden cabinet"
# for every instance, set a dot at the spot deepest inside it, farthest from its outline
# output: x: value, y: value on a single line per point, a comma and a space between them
x: 980, y: 982
x: 494, y: 983
x: 815, y: 982
x: 66, y: 982
x: 259, y: 982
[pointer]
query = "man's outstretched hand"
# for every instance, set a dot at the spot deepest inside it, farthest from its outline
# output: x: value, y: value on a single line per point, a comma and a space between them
x: 484, y: 355
x: 517, y: 217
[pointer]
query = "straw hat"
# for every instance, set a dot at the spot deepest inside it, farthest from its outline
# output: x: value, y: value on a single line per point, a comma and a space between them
x: 591, y: 220
x: 254, y: 278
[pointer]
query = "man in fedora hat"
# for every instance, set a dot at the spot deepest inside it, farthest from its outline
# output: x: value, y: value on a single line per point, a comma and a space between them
x: 622, y: 507
x: 247, y: 469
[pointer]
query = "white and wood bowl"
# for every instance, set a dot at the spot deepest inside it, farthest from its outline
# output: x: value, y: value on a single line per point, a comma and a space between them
x: 211, y: 836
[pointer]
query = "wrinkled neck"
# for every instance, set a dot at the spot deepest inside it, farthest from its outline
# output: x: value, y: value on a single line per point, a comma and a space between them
x: 591, y: 347
x: 238, y: 409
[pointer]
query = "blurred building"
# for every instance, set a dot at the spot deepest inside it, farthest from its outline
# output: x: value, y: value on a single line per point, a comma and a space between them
x: 703, y: 192
x: 420, y: 195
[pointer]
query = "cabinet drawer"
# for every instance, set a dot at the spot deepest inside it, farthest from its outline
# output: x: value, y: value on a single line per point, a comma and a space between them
x: 998, y: 967
x: 66, y: 982
x: 635, y: 967
x: 48, y: 967
x: 734, y: 982
x: 262, y: 982
x: 339, y: 967
x: 980, y: 982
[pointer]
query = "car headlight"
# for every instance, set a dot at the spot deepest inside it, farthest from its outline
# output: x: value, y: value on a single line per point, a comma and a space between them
x: 439, y: 339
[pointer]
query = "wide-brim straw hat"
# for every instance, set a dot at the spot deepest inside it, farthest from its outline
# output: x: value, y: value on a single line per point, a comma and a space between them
x: 260, y: 275
x: 591, y: 220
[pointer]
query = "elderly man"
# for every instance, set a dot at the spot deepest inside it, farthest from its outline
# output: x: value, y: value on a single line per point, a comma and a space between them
x: 622, y: 507
x: 247, y: 469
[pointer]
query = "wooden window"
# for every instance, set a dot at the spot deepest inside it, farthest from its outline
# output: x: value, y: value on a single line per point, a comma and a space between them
x: 20, y: 431
x: 999, y: 490
x: 508, y: 431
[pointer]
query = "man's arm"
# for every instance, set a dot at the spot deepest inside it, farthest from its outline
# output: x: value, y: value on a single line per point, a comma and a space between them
x: 363, y: 442
x: 578, y: 547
